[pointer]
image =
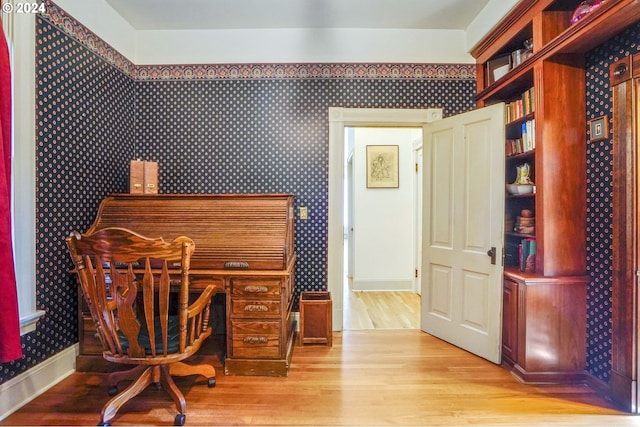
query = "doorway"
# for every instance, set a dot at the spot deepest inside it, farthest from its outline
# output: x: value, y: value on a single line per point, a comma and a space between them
x: 339, y: 119
x: 382, y: 227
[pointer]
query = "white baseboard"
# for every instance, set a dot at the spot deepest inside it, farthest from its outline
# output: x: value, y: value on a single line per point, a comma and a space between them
x: 22, y: 389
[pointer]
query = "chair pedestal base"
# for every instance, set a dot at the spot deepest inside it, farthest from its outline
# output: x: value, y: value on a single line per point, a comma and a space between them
x: 145, y: 375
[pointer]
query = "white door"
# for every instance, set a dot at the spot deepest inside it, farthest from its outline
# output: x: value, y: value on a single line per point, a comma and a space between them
x: 463, y: 219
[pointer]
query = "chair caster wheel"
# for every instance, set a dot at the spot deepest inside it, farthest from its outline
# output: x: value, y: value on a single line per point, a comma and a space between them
x: 104, y: 423
x: 180, y: 419
x: 113, y: 390
x: 211, y: 382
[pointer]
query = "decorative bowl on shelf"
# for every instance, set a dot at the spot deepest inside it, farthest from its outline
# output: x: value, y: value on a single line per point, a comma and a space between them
x: 520, y: 188
x: 585, y: 8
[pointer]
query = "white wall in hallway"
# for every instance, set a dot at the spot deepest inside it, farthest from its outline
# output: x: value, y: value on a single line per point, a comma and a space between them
x: 384, y: 229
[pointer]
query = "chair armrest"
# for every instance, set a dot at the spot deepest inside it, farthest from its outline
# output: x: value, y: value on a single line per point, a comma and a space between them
x: 203, y: 301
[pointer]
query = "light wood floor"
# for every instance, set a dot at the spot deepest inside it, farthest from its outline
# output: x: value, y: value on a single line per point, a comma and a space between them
x: 378, y: 310
x: 368, y: 377
x: 381, y: 310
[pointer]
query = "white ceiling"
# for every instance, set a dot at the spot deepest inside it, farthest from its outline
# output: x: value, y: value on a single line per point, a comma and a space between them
x: 260, y: 14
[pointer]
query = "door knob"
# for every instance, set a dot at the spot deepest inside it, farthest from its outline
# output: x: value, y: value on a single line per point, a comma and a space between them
x: 492, y: 253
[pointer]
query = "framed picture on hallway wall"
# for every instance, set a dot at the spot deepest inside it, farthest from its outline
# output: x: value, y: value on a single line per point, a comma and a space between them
x: 382, y: 166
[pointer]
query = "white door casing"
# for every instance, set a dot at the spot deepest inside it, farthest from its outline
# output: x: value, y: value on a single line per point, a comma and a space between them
x: 418, y: 146
x: 463, y: 218
x: 350, y: 215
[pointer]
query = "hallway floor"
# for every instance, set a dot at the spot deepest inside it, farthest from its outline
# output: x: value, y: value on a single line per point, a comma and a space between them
x: 381, y: 310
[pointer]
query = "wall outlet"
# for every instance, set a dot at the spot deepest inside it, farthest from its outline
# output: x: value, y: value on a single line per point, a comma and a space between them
x: 303, y: 213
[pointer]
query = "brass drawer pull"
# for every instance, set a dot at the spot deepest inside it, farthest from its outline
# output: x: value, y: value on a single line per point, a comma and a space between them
x: 256, y: 340
x: 256, y: 289
x: 256, y: 307
x: 236, y: 265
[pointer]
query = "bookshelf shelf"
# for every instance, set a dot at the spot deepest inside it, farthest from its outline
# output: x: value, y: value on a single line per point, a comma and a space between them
x: 521, y: 196
x: 519, y: 235
x: 522, y: 156
x: 520, y: 120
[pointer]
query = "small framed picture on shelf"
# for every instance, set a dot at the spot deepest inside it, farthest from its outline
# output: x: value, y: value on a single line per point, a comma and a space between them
x: 599, y: 128
x: 496, y: 68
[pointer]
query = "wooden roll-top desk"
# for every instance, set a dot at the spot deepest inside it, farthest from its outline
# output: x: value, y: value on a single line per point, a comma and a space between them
x: 244, y: 246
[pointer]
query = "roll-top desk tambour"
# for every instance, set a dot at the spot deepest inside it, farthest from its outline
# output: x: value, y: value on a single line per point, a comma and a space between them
x: 244, y: 245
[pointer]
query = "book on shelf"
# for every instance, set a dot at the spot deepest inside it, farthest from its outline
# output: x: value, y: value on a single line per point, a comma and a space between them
x: 521, y: 107
x: 528, y: 135
x: 513, y: 147
x: 511, y: 253
x: 527, y: 255
x: 526, y: 142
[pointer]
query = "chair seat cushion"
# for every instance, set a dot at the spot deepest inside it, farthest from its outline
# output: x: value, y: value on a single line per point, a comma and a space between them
x: 173, y: 343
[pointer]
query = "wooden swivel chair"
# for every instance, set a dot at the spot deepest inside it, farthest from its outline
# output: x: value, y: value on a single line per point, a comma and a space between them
x: 126, y: 281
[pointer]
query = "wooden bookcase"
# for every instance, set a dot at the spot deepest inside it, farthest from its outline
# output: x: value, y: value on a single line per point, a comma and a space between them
x: 624, y: 79
x: 544, y: 314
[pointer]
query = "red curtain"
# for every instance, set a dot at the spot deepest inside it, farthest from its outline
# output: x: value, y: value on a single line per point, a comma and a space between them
x: 9, y: 319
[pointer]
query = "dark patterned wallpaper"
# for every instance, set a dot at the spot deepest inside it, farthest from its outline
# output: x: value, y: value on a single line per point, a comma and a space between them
x: 269, y: 135
x: 599, y: 201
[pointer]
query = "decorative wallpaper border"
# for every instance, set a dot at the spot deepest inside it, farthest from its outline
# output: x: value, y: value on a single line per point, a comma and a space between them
x: 70, y: 26
x: 306, y: 71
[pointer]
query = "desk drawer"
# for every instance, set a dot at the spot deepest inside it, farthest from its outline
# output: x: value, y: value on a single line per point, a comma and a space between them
x: 255, y: 308
x: 200, y: 283
x: 256, y: 288
x: 256, y: 340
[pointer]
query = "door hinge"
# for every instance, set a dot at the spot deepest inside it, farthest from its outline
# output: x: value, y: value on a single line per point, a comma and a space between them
x: 416, y: 273
x: 416, y: 167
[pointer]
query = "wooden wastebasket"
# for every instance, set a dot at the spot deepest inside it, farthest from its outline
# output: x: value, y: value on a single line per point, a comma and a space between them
x: 315, y: 318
